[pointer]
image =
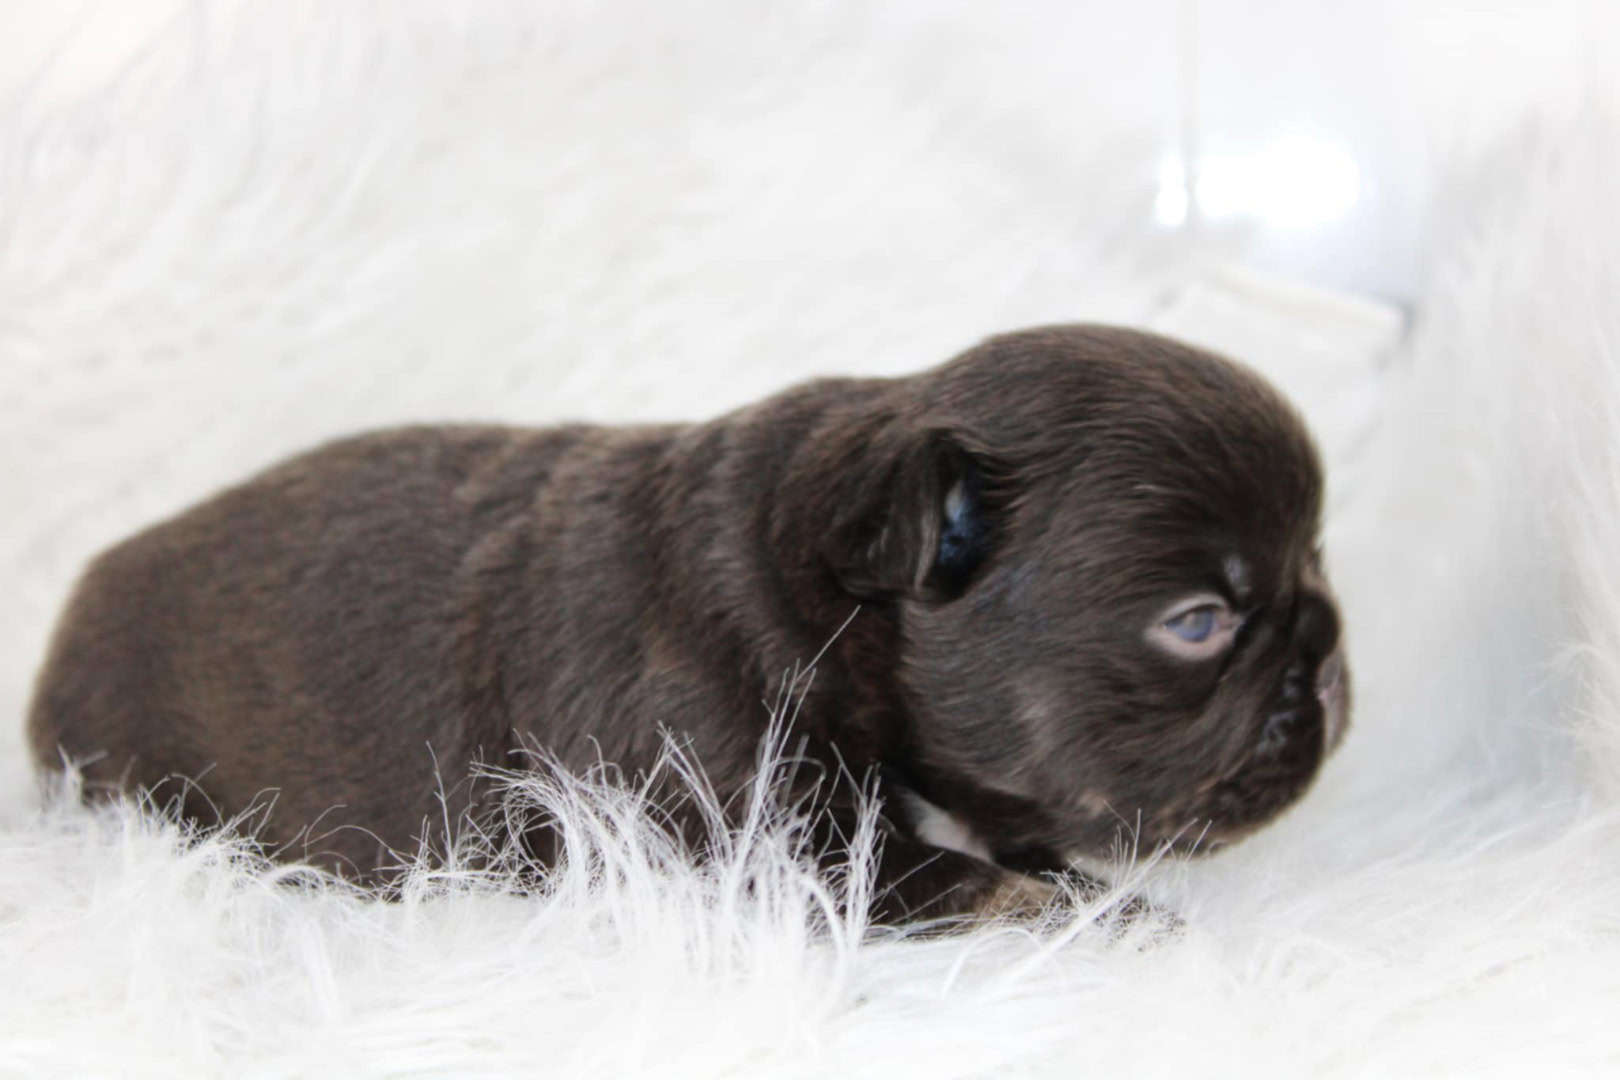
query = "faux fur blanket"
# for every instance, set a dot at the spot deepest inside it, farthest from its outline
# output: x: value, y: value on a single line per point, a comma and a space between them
x: 269, y: 224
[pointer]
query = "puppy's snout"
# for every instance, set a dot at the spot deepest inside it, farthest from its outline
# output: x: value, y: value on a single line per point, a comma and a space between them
x: 1306, y: 683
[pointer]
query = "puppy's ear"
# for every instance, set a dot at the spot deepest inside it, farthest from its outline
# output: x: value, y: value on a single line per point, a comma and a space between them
x: 917, y: 523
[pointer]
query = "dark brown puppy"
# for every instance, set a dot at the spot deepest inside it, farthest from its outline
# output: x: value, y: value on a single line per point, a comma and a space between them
x: 1085, y: 562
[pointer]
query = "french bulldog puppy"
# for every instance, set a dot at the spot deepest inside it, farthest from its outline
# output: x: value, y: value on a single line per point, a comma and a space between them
x: 1076, y: 570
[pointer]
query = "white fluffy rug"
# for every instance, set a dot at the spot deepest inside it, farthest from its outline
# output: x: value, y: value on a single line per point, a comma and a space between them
x: 278, y: 224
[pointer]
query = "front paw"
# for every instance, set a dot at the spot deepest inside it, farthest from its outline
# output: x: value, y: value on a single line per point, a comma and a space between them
x: 1027, y: 897
x: 1019, y: 896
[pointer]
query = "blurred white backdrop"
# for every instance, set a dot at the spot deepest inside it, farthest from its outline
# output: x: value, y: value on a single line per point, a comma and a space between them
x: 1317, y: 126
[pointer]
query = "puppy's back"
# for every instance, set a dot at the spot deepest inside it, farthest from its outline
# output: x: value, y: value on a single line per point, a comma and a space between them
x: 186, y: 651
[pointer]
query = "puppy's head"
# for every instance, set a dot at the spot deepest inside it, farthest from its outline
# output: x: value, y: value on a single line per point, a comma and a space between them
x: 1101, y: 548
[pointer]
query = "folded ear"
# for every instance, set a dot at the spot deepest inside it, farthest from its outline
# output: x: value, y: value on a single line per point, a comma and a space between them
x: 913, y: 520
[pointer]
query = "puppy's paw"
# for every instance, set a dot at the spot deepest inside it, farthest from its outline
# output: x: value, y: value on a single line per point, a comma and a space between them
x: 1018, y: 896
x: 1022, y: 897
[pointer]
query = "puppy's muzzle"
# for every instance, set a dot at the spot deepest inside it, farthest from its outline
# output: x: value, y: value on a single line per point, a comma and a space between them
x: 1304, y: 697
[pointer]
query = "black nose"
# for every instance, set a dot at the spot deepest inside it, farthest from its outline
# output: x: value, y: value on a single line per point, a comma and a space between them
x: 1316, y: 628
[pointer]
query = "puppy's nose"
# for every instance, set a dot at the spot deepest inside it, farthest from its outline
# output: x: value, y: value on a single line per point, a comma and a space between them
x: 1316, y: 627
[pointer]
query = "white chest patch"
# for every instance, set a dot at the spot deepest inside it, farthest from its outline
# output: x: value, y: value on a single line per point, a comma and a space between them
x: 943, y: 828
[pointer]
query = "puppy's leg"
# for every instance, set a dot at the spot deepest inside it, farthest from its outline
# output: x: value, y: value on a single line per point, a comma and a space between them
x: 916, y: 881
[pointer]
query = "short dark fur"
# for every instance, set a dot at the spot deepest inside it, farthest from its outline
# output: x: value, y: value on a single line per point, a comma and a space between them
x: 321, y: 628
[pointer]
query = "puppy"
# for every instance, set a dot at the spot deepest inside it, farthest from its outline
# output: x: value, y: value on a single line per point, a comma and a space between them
x: 1081, y: 562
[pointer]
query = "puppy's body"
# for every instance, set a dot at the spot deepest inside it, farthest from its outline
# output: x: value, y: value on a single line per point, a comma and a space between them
x: 366, y: 622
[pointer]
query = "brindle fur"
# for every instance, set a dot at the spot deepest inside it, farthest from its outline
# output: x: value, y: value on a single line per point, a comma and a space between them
x: 351, y: 626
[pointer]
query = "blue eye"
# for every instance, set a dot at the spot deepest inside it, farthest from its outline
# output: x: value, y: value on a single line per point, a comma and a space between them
x: 1200, y: 627
x: 1194, y: 626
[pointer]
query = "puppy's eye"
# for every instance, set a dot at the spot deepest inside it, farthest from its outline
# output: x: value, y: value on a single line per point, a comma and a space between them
x: 1198, y: 628
x: 1194, y: 626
